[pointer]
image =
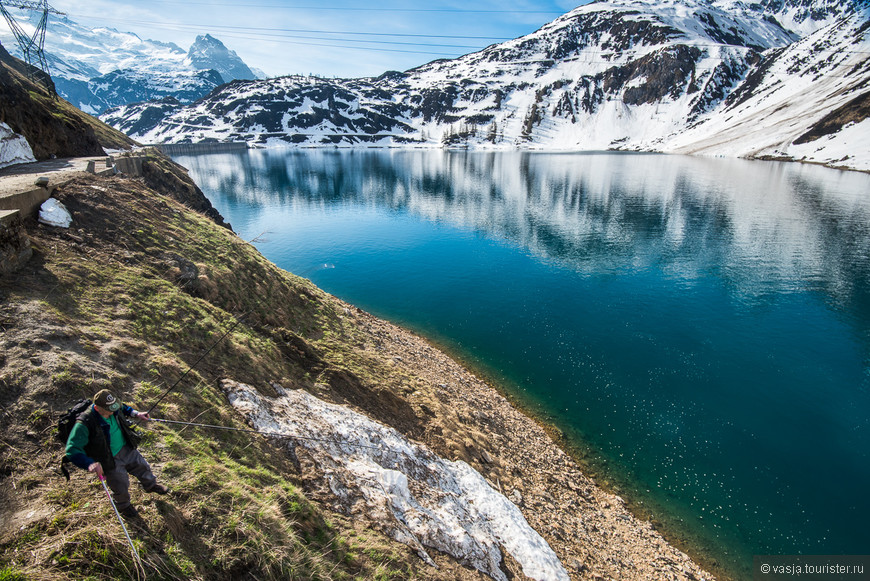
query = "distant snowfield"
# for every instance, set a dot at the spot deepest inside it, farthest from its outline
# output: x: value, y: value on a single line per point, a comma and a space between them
x: 422, y: 499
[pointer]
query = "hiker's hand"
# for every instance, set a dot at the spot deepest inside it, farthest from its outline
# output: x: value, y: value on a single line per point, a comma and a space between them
x: 143, y: 416
x: 97, y: 469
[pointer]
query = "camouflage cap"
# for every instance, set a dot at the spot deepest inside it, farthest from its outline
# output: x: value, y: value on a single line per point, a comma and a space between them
x: 106, y: 400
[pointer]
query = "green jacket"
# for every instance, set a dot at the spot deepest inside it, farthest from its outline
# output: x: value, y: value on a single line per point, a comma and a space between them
x: 88, y: 441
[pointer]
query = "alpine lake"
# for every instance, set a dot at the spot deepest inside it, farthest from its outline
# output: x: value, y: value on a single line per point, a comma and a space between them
x: 697, y: 328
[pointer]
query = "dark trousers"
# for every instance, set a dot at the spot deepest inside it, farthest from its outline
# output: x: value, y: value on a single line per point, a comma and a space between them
x: 128, y: 461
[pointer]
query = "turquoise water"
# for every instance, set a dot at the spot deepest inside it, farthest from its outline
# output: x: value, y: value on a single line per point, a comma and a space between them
x: 702, y: 325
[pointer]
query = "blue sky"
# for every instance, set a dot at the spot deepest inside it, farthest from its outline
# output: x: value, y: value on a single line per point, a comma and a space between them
x: 326, y: 37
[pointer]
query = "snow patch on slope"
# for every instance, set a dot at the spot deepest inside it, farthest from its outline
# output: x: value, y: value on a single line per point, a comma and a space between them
x: 424, y: 500
x: 13, y: 147
x: 847, y: 148
x: 799, y: 85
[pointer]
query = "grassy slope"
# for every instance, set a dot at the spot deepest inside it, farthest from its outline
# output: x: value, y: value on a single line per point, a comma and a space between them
x: 128, y: 299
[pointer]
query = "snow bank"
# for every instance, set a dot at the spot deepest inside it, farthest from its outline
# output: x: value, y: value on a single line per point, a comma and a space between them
x: 422, y: 499
x: 847, y: 148
x: 13, y: 147
x: 54, y: 213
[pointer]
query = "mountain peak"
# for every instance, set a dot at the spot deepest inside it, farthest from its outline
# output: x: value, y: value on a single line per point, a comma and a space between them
x: 207, y: 52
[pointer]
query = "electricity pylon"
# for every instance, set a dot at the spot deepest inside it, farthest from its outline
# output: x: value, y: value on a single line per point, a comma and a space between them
x: 32, y: 46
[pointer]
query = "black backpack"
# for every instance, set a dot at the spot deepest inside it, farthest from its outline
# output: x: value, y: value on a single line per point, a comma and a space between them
x: 65, y: 425
x: 68, y: 420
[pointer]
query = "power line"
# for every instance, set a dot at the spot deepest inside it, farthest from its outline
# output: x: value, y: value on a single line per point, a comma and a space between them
x: 280, y: 35
x: 261, y: 34
x: 299, y: 30
x: 253, y: 35
x: 356, y: 48
x: 381, y: 41
x: 305, y: 38
x: 358, y: 9
x: 241, y: 33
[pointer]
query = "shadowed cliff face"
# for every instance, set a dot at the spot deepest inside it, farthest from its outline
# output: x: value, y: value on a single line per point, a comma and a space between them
x: 53, y: 127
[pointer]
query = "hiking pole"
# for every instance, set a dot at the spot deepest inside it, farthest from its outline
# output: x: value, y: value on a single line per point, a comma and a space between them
x: 201, y: 357
x: 140, y: 566
x: 273, y: 434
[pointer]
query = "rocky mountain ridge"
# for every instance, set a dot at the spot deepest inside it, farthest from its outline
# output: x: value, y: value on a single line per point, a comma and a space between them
x: 617, y: 74
x: 208, y: 53
x: 101, y: 68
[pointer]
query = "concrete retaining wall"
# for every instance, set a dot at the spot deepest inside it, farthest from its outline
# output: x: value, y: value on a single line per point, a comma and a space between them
x: 189, y: 148
x: 28, y: 202
x: 129, y: 165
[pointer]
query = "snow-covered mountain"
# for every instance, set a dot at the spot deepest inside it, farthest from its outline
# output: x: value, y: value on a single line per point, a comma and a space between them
x: 207, y: 52
x: 780, y: 78
x: 95, y: 69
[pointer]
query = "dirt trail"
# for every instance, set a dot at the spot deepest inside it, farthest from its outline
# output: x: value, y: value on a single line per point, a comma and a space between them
x: 22, y: 177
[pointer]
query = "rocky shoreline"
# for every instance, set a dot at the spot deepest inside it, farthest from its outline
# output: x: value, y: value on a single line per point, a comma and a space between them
x: 592, y: 531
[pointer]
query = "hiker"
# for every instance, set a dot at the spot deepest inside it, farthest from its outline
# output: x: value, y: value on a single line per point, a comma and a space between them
x: 103, y: 442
